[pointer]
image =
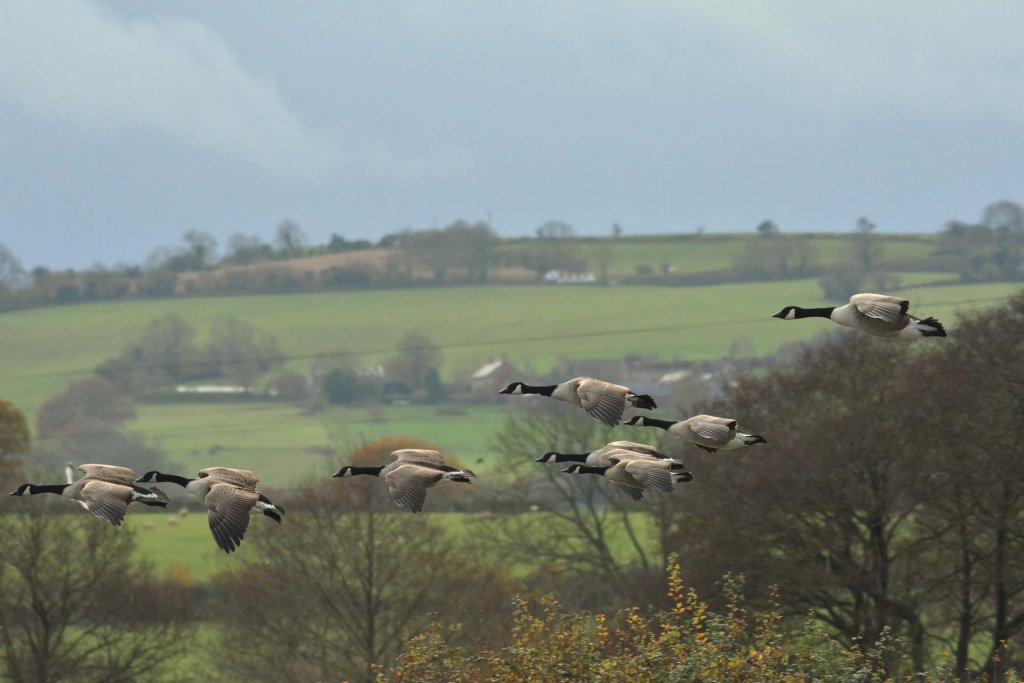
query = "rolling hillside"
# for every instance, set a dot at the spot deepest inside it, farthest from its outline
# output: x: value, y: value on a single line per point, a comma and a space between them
x: 533, y: 326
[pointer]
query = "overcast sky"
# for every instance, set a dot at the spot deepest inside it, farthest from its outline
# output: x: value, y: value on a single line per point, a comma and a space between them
x: 125, y: 124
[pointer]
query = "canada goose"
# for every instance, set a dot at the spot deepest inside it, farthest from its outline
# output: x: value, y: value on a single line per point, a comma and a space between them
x: 599, y: 457
x: 241, y: 478
x: 413, y: 471
x: 636, y: 473
x: 603, y: 401
x: 230, y: 495
x: 706, y: 431
x: 105, y: 491
x: 877, y: 314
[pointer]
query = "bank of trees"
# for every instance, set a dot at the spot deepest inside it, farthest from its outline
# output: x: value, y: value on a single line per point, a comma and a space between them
x: 890, y: 497
x: 990, y: 249
x: 166, y: 353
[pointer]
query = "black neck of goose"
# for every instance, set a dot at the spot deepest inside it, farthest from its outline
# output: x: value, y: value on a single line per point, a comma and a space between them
x: 47, y: 488
x: 585, y: 469
x: 571, y: 457
x: 172, y: 479
x: 543, y: 391
x: 373, y: 471
x: 655, y: 422
x: 814, y: 312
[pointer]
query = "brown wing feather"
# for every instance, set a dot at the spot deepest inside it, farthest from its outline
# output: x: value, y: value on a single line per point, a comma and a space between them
x: 111, y: 473
x: 106, y: 500
x: 634, y: 493
x: 229, y: 514
x: 419, y: 455
x: 717, y: 429
x: 652, y: 475
x: 242, y: 478
x: 603, y: 401
x: 888, y: 308
x: 408, y: 484
x: 638, y: 448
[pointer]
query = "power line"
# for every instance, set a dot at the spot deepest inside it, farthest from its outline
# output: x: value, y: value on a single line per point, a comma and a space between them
x: 441, y: 347
x: 273, y: 423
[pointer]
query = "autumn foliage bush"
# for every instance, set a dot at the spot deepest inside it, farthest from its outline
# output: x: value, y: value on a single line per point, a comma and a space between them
x: 688, y: 642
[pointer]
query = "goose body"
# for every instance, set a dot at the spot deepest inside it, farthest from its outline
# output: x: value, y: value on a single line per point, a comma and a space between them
x: 875, y: 314
x: 708, y: 432
x: 603, y: 401
x: 241, y: 478
x: 229, y: 495
x: 636, y: 473
x: 105, y: 491
x: 411, y: 473
x: 600, y: 456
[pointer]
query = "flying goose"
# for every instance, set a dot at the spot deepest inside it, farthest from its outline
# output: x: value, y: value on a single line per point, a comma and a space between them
x: 602, y: 401
x: 877, y: 314
x: 230, y: 495
x: 636, y: 473
x: 599, y: 457
x: 105, y: 491
x: 706, y: 431
x: 413, y: 471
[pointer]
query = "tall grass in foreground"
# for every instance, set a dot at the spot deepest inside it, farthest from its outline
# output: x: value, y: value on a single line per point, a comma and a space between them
x: 688, y: 642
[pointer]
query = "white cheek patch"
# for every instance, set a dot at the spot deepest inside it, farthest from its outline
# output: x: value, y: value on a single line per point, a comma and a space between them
x: 791, y: 315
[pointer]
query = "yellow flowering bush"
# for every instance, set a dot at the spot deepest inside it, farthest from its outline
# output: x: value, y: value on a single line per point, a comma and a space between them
x: 689, y: 642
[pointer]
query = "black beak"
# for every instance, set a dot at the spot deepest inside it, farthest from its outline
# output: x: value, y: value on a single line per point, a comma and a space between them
x: 778, y: 315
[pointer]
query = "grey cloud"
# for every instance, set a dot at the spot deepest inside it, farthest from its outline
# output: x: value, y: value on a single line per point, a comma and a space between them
x: 77, y: 64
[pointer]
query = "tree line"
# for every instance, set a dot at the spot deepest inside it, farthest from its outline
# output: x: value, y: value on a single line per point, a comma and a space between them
x: 991, y: 249
x: 885, y: 511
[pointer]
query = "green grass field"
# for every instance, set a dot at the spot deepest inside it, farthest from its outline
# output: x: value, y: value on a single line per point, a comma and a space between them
x: 186, y: 548
x: 534, y: 326
x: 286, y: 445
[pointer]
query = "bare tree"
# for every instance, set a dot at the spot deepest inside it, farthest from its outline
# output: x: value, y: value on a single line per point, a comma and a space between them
x: 291, y: 239
x: 165, y: 353
x: 417, y: 356
x: 239, y: 352
x: 353, y: 577
x: 12, y: 274
x: 74, y: 606
x: 868, y: 248
x: 566, y: 524
x: 202, y: 248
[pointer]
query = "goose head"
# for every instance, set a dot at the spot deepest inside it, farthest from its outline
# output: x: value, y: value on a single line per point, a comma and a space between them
x: 787, y: 313
x: 513, y: 388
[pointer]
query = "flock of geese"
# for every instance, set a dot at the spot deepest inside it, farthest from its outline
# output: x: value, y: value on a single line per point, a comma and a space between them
x: 232, y: 494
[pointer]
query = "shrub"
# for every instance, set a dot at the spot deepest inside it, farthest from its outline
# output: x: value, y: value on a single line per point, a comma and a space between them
x: 689, y: 642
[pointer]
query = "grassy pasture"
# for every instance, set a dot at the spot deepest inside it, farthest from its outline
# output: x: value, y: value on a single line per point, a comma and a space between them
x: 534, y: 326
x: 286, y: 445
x: 187, y: 548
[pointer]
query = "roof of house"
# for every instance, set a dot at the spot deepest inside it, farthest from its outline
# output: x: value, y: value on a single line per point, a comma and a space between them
x: 488, y: 369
